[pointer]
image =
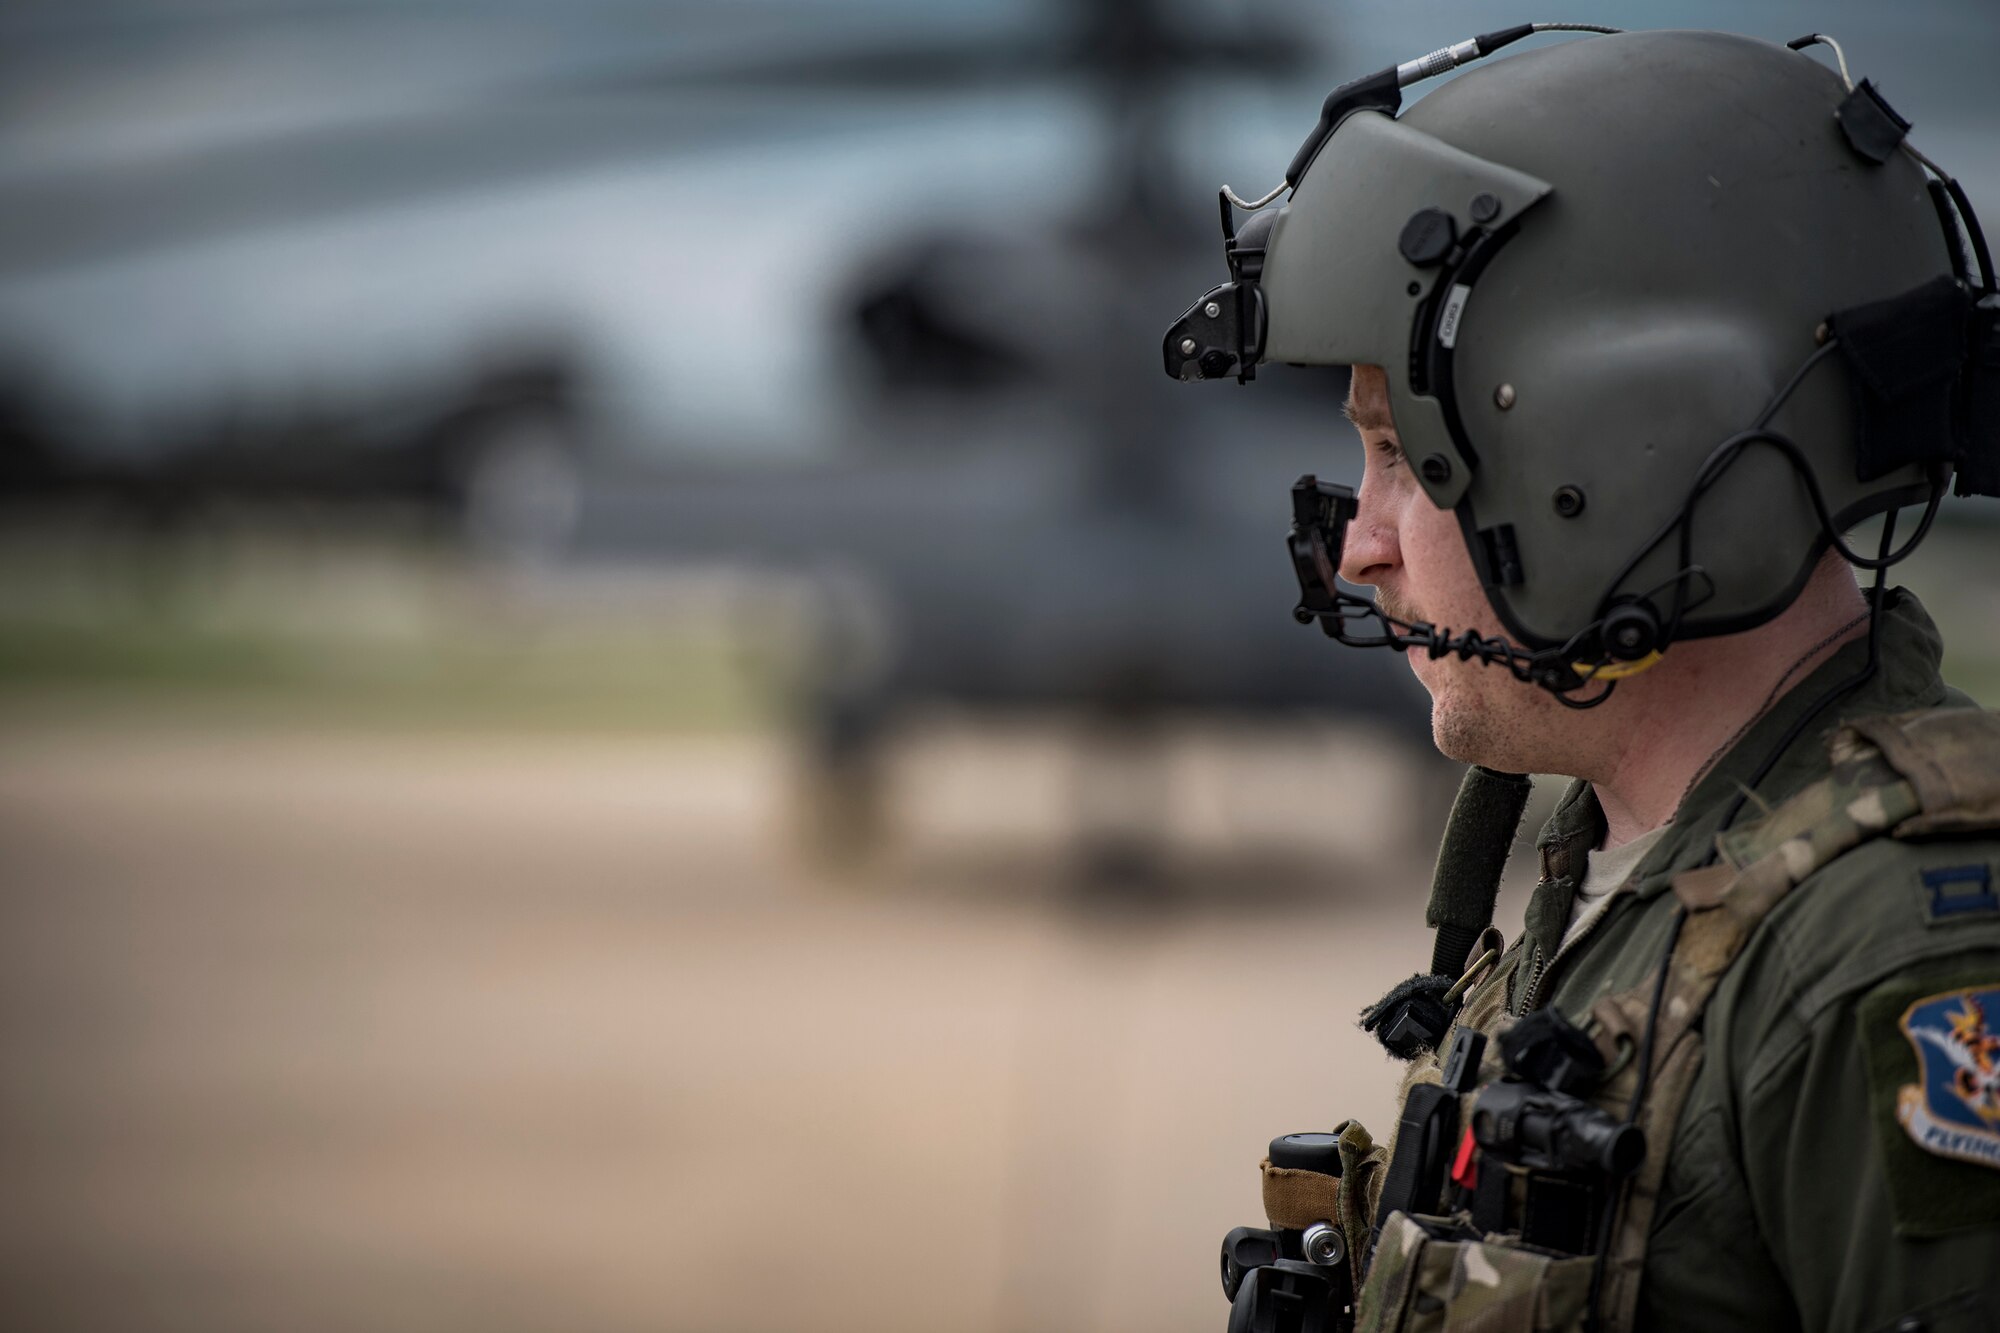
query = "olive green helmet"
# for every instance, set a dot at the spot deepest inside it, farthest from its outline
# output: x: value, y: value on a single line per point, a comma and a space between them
x: 1661, y: 314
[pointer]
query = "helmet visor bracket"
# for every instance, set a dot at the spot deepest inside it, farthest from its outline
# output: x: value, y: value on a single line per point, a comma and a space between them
x: 1371, y: 262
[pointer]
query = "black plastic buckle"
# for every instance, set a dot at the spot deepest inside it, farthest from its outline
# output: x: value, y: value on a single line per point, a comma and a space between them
x: 1548, y: 1050
x: 1289, y: 1296
x: 1223, y: 333
x: 1428, y: 1133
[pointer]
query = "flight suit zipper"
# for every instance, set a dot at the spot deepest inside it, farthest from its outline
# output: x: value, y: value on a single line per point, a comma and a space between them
x: 1536, y: 966
x: 1540, y: 965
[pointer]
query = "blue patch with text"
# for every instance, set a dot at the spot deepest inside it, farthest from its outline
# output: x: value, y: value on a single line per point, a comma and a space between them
x: 1954, y: 1110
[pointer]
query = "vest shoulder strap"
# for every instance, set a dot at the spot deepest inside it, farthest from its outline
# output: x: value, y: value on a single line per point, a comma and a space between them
x: 1909, y: 775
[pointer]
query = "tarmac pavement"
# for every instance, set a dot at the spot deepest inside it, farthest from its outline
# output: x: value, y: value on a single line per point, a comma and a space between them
x: 308, y: 1030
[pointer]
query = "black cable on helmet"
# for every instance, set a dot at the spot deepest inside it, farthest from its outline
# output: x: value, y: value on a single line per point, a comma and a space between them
x: 1840, y: 690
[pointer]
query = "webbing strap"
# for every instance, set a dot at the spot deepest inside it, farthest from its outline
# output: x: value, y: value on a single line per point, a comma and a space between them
x: 1471, y: 859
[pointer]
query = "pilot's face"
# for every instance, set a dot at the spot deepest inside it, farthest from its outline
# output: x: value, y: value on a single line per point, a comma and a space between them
x: 1411, y: 553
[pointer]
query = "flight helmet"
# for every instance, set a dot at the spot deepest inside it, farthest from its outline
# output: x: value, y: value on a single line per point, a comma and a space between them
x: 1662, y: 314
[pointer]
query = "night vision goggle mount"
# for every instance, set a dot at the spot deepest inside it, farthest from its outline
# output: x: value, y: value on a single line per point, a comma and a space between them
x: 1223, y: 333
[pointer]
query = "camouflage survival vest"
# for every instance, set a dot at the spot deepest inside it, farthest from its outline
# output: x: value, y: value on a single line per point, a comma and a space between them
x: 1916, y: 775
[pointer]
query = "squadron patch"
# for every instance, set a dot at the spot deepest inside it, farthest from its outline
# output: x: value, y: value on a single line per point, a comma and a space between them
x: 1954, y: 1108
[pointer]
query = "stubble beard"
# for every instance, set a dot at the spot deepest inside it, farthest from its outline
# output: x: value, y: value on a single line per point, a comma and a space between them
x: 1476, y: 716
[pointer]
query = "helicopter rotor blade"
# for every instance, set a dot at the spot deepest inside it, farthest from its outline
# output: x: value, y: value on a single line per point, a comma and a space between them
x: 539, y: 126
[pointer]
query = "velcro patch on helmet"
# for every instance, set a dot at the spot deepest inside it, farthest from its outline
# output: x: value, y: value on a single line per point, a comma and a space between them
x: 1903, y: 358
x: 1979, y: 461
x: 1871, y: 125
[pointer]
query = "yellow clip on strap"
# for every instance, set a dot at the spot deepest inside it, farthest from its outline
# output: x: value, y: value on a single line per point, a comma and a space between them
x: 1616, y: 670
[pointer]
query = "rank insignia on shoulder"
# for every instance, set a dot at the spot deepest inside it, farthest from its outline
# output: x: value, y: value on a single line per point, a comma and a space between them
x: 1958, y: 891
x: 1955, y: 1110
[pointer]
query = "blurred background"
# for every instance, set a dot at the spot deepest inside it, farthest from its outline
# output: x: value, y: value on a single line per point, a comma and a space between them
x: 626, y: 701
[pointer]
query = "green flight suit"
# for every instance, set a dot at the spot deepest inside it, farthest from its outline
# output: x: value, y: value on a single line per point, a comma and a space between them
x: 1793, y: 1199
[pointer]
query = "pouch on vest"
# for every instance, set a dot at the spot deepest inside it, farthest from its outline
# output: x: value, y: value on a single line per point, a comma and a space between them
x: 1425, y: 1280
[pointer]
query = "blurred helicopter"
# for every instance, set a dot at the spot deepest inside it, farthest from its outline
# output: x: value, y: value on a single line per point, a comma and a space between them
x: 1023, y: 513
x: 1007, y: 509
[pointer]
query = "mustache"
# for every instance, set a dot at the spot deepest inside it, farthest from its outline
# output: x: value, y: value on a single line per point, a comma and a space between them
x: 1389, y: 604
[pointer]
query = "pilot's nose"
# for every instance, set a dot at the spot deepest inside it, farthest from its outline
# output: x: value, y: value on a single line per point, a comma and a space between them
x: 1370, y: 551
